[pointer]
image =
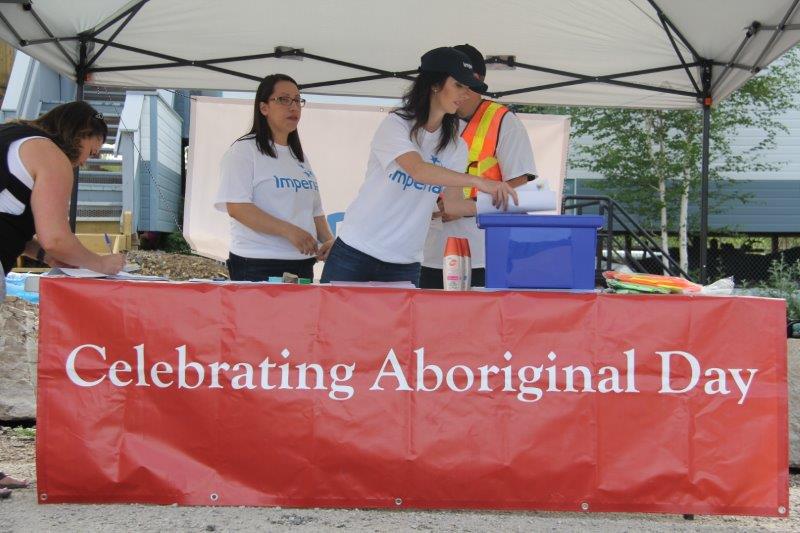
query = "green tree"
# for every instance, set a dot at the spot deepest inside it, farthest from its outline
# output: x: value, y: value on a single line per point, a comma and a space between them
x: 650, y: 158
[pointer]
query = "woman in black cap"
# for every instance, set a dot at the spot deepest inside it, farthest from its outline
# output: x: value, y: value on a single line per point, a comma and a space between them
x: 414, y: 154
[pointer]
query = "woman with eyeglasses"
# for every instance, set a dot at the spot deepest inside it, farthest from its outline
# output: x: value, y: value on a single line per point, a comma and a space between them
x: 270, y: 192
x: 37, y: 158
x: 414, y: 154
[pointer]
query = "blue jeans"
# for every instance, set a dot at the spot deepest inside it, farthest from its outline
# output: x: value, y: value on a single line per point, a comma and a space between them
x: 345, y: 263
x: 250, y: 269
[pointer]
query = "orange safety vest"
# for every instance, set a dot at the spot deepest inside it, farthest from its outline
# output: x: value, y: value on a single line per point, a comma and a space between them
x: 481, y: 135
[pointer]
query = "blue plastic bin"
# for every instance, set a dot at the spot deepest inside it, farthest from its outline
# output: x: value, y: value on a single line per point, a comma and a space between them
x: 540, y: 251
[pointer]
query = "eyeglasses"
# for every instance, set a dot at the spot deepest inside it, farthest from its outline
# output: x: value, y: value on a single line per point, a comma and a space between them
x: 287, y: 102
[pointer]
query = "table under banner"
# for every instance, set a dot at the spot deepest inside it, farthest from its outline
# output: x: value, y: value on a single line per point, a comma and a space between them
x: 320, y: 396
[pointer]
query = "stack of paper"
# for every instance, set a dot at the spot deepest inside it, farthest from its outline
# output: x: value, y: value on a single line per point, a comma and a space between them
x: 529, y: 201
x: 86, y: 273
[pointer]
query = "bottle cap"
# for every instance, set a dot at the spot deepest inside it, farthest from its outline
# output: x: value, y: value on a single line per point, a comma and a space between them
x: 465, y: 248
x: 451, y: 247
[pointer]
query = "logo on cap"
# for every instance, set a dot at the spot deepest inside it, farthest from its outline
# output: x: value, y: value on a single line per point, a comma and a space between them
x: 467, y: 65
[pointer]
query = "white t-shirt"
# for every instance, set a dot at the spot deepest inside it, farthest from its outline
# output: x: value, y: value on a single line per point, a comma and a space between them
x: 282, y: 187
x: 8, y: 202
x: 391, y: 214
x: 515, y: 156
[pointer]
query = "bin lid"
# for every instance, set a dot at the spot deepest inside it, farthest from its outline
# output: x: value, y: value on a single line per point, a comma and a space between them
x: 492, y: 220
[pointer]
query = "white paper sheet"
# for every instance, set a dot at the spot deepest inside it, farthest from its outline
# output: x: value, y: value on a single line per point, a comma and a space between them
x: 75, y: 273
x: 86, y: 273
x: 530, y: 200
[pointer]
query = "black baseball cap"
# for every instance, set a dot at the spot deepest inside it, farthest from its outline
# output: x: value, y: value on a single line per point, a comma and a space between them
x: 453, y: 62
x: 478, y: 63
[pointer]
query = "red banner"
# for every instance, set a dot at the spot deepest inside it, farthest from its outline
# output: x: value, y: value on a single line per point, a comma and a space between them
x: 239, y: 394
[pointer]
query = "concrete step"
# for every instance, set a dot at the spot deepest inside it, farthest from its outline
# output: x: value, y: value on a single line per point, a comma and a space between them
x: 92, y: 226
x: 107, y: 196
x: 100, y: 176
x: 114, y: 187
x: 108, y: 109
x: 104, y: 162
x: 96, y: 242
x: 103, y: 93
x: 99, y: 211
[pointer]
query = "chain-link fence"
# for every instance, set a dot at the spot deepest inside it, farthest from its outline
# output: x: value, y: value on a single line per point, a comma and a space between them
x: 751, y: 261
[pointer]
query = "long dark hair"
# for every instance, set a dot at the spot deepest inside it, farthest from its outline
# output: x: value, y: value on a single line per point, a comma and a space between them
x: 261, y: 130
x: 416, y: 107
x: 68, y: 123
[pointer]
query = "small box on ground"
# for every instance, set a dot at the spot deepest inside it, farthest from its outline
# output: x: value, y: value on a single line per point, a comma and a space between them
x: 540, y: 251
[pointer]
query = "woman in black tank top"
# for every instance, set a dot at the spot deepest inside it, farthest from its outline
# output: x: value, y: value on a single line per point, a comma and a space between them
x: 71, y: 134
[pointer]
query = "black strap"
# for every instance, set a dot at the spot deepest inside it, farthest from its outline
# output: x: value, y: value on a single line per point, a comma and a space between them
x: 18, y: 190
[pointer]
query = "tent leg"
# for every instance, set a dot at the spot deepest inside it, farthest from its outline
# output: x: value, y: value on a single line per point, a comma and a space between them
x: 703, y: 244
x: 80, y: 77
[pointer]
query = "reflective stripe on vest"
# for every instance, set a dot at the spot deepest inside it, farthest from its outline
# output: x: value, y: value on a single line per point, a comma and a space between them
x: 481, y: 135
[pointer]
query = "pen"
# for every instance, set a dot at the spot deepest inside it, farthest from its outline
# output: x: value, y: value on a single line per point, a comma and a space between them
x: 108, y: 243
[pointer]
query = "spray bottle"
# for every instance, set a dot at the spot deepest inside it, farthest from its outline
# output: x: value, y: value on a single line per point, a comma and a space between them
x: 452, y: 265
x: 466, y: 262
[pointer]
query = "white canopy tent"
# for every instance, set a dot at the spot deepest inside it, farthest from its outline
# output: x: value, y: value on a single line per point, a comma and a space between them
x: 627, y: 53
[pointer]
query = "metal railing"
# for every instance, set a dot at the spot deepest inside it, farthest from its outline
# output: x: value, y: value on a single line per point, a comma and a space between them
x: 621, y: 225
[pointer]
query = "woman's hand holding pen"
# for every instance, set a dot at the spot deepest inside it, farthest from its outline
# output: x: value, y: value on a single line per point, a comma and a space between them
x: 112, y: 263
x: 108, y: 264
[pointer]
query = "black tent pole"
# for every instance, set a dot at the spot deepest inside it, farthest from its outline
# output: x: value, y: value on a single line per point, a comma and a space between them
x: 80, y: 77
x: 704, y: 196
x: 703, y: 244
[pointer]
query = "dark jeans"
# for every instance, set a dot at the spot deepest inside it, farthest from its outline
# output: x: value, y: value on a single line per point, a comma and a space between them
x: 249, y: 269
x: 345, y: 263
x: 431, y: 278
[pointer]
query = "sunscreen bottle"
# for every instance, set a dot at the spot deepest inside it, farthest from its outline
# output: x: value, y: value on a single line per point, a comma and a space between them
x: 452, y: 265
x: 466, y: 262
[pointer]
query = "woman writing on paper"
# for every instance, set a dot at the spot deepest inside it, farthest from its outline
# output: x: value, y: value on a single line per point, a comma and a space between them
x: 414, y: 154
x: 37, y: 159
x: 269, y: 190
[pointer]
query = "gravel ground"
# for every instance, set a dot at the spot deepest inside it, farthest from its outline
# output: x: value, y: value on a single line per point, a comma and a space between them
x: 21, y: 513
x: 175, y: 266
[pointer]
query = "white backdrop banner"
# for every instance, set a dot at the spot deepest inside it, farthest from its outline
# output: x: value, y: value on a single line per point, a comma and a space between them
x: 336, y: 140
